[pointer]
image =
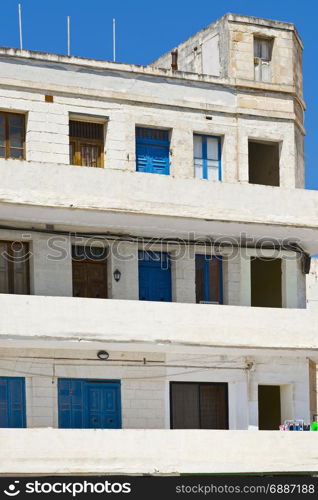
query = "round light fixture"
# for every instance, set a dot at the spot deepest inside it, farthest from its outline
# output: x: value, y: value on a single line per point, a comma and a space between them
x: 103, y: 355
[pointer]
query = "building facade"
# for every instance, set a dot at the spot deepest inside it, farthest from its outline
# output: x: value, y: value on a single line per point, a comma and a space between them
x: 155, y: 240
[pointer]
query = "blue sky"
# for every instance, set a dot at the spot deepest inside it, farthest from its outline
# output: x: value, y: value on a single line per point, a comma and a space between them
x: 146, y: 30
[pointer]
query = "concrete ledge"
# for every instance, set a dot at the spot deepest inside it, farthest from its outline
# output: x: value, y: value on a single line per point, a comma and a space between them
x: 77, y: 451
x: 136, y: 192
x: 79, y: 319
x: 141, y: 203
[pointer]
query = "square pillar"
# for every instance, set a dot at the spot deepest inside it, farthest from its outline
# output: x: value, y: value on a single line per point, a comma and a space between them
x: 52, y: 265
x: 293, y: 282
x: 183, y: 277
x: 124, y: 257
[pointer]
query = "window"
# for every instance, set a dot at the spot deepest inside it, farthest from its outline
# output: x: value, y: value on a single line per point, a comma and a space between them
x: 263, y: 163
x: 207, y: 157
x: 12, y: 135
x: 89, y: 266
x: 199, y: 405
x: 14, y: 267
x: 262, y: 59
x: 152, y: 150
x: 208, y: 279
x: 86, y: 144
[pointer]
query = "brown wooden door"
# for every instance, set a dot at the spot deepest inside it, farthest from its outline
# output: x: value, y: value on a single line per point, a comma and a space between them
x: 89, y: 279
x: 198, y: 405
x: 185, y: 406
x: 213, y: 406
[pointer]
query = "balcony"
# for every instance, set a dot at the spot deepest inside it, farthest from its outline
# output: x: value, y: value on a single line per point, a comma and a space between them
x: 58, y: 451
x: 73, y: 197
x: 63, y: 321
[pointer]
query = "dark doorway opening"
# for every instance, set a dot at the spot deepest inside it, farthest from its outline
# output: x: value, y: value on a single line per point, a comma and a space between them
x: 269, y: 407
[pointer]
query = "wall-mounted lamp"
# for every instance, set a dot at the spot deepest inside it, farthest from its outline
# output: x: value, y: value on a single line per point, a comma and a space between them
x: 103, y: 355
x: 117, y: 275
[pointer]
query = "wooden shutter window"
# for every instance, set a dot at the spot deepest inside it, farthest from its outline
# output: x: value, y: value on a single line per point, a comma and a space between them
x: 199, y: 405
x: 14, y: 268
x: 208, y: 279
x: 12, y: 135
x: 86, y: 144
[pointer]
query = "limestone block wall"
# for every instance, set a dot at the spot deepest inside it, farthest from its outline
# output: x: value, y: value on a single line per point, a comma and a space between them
x: 145, y: 392
x: 51, y: 268
x: 230, y: 42
x: 241, y: 63
x: 179, y: 105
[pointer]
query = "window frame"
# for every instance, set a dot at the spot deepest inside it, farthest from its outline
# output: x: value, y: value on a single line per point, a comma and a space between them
x: 10, y: 262
x: 205, y: 160
x: 76, y: 142
x: 7, y: 115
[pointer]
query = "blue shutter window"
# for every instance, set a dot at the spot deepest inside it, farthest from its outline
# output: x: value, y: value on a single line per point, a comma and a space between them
x: 207, y: 157
x: 154, y: 276
x: 152, y: 151
x: 12, y: 402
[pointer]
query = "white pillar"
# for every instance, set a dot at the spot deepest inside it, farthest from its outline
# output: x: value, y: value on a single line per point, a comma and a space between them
x: 52, y: 265
x: 183, y: 279
x: 293, y: 283
x: 237, y: 278
x: 124, y: 257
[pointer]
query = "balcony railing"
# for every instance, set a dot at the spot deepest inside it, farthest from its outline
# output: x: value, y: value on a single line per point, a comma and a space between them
x: 60, y: 451
x: 175, y: 206
x: 40, y: 318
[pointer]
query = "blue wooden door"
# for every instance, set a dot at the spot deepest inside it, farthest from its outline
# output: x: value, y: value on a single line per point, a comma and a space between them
x: 71, y: 403
x: 102, y: 405
x: 154, y: 276
x: 89, y: 404
x: 12, y: 402
x: 152, y: 151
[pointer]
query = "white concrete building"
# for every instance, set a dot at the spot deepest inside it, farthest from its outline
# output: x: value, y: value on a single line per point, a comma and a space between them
x: 165, y: 288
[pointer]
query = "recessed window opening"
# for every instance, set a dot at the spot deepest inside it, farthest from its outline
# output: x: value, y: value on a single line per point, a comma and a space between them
x: 263, y: 48
x: 263, y: 163
x: 266, y: 282
x: 86, y: 143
